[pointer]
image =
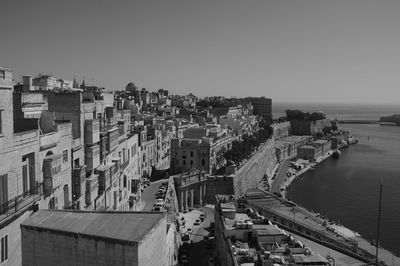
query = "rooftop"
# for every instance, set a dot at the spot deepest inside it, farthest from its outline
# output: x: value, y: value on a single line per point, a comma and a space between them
x: 320, y: 141
x: 125, y: 226
x: 294, y: 138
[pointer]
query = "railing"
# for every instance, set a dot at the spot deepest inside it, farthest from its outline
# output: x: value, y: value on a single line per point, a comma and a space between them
x: 124, y: 165
x: 20, y: 202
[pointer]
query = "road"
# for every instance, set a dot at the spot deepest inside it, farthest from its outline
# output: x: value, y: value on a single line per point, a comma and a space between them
x: 198, y: 253
x: 280, y: 176
x: 148, y: 195
x: 340, y: 258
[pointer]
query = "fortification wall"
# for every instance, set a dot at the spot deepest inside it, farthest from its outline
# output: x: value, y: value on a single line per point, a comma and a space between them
x: 219, y: 185
x: 260, y: 164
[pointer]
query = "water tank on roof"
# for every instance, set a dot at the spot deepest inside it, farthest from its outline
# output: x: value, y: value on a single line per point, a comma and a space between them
x: 27, y: 80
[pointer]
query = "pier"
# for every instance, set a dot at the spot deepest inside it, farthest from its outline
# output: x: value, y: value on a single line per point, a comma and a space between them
x: 358, y: 121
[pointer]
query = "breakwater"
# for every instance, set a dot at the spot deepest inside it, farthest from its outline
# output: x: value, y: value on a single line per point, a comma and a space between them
x: 358, y: 122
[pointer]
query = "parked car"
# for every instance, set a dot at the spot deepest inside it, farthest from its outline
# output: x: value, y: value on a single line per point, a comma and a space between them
x: 197, y: 222
x: 185, y: 237
x: 202, y: 216
x: 156, y: 208
x: 160, y: 201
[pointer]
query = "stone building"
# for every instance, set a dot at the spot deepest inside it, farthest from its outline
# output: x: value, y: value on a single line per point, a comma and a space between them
x: 205, y: 153
x: 286, y: 147
x: 36, y: 163
x: 262, y: 106
x: 281, y: 130
x: 190, y: 188
x: 309, y: 127
x: 314, y: 150
x: 74, y: 238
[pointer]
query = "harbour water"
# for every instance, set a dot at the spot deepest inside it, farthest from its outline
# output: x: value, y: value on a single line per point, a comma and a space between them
x: 346, y: 190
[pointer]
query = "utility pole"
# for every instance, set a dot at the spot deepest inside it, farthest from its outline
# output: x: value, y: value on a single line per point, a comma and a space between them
x: 379, y: 223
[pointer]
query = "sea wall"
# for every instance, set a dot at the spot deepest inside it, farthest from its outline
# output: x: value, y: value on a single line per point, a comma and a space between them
x: 261, y: 163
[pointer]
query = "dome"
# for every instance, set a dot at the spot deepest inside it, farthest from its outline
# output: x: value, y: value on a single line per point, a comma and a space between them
x: 131, y: 87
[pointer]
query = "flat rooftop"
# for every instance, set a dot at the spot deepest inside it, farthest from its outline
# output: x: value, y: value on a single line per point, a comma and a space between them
x: 294, y: 139
x: 290, y: 211
x: 124, y: 226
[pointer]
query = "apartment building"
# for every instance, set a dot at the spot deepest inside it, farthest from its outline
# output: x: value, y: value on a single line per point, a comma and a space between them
x: 205, y: 153
x: 36, y: 165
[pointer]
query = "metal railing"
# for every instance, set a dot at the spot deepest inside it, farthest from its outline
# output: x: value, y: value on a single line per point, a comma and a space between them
x: 20, y: 202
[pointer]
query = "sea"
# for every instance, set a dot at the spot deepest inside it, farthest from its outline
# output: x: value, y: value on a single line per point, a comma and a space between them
x: 346, y: 190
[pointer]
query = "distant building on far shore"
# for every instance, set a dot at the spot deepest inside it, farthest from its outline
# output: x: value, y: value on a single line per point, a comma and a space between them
x: 262, y: 106
x: 97, y: 238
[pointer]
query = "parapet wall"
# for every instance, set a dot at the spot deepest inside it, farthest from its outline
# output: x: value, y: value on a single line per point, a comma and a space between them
x: 216, y: 185
x: 260, y: 164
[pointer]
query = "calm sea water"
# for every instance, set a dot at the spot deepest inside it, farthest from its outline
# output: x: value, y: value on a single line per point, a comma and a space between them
x: 347, y: 189
x: 340, y: 111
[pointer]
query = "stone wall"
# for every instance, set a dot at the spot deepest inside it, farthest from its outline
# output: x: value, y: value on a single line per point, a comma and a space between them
x: 248, y: 176
x: 42, y: 247
x: 171, y: 201
x: 219, y: 185
x: 260, y: 164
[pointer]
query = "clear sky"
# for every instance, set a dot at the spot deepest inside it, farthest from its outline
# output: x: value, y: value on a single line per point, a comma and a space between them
x: 304, y: 51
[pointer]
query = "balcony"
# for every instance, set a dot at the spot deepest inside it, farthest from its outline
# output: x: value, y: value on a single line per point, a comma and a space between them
x: 92, y: 156
x: 76, y: 144
x: 112, y: 139
x: 33, y: 104
x: 51, y: 173
x: 20, y: 203
x: 92, y: 131
x: 124, y: 165
x: 49, y: 140
x: 92, y: 189
x: 78, y: 181
x: 104, y: 176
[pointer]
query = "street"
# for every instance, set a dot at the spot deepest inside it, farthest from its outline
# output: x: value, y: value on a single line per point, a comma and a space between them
x: 198, y: 253
x: 280, y: 176
x: 148, y: 195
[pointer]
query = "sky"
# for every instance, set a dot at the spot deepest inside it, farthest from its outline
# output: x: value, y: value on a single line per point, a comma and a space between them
x: 290, y: 51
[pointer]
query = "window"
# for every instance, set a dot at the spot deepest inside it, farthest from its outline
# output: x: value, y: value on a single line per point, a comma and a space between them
x: 1, y: 123
x: 65, y: 156
x: 2, y: 74
x: 4, y: 248
x: 3, y: 193
x: 191, y: 154
x: 184, y: 162
x: 191, y: 163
